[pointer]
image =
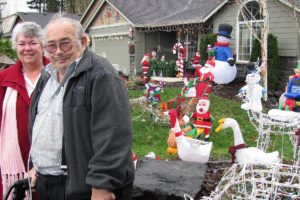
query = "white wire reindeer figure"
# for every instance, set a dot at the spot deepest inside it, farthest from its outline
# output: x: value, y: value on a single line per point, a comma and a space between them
x: 275, y: 122
x: 251, y: 181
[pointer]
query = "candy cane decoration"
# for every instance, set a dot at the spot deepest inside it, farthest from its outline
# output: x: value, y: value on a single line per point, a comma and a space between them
x: 161, y: 85
x: 179, y: 63
x: 176, y: 46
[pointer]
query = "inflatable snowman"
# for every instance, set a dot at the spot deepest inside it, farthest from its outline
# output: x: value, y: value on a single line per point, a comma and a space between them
x: 225, y: 70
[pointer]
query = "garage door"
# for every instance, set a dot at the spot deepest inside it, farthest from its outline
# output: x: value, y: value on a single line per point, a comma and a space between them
x: 115, y: 49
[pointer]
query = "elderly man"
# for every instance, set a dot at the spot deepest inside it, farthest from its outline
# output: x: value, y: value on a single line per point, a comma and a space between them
x: 79, y: 117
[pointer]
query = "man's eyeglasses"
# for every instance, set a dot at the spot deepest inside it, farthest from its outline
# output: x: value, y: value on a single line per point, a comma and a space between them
x: 64, y: 46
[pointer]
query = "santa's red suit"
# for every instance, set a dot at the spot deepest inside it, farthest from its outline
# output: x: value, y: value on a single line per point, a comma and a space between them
x: 202, y: 121
x: 203, y: 87
x: 145, y: 67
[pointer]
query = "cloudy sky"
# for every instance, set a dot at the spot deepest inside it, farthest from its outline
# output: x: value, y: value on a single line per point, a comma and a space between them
x: 14, y: 6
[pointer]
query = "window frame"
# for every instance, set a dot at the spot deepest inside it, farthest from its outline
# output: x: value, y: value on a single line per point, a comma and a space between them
x: 251, y: 22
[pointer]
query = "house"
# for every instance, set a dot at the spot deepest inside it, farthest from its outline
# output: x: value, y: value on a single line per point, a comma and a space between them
x: 156, y: 24
x: 160, y: 24
x: 5, y: 61
x: 284, y: 23
x: 42, y: 19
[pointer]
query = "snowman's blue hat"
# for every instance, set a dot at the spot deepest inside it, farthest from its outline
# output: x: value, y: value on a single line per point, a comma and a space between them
x: 225, y: 30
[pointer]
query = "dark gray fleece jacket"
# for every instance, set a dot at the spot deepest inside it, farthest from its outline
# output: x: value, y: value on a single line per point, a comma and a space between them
x: 97, y: 127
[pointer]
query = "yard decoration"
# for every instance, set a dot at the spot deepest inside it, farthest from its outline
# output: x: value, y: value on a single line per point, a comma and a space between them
x: 284, y: 115
x: 252, y: 181
x: 178, y: 48
x: 242, y: 154
x: 152, y: 92
x: 210, y: 52
x: 225, y: 69
x: 188, y: 149
x: 134, y: 158
x: 189, y: 81
x: 202, y: 117
x: 196, y: 59
x: 205, y: 78
x: 153, y: 54
x: 252, y: 92
x: 292, y: 94
x: 145, y: 67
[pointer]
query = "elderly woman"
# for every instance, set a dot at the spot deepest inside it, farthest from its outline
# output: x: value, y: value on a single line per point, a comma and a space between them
x: 16, y: 86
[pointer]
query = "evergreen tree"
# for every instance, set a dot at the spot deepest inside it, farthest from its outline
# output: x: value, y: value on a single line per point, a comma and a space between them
x: 36, y: 4
x: 76, y: 6
x: 52, y: 6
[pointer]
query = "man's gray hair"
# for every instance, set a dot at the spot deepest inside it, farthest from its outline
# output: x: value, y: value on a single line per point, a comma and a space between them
x: 79, y: 30
x: 27, y: 29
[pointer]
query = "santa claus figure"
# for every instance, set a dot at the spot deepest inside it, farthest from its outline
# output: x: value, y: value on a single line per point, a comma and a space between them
x: 202, y: 118
x: 153, y: 54
x: 196, y: 59
x: 225, y: 70
x: 206, y: 78
x: 145, y: 67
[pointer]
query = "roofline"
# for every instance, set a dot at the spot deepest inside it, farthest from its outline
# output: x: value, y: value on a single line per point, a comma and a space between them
x: 289, y: 5
x: 168, y: 24
x: 93, y: 16
x: 86, y: 10
x: 215, y: 10
x: 11, y: 28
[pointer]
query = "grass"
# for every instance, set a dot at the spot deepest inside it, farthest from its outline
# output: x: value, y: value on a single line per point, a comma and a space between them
x: 152, y: 137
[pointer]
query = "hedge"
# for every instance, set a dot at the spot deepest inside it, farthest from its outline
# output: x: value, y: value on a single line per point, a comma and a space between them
x: 204, y: 41
x: 273, y: 59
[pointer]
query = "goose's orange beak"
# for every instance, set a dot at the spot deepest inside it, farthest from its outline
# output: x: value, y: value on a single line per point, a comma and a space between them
x: 220, y: 128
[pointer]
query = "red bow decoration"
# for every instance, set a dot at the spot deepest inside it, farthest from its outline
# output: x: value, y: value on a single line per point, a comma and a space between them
x: 232, y: 150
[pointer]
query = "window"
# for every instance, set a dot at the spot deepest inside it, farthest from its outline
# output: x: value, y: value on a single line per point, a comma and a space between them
x: 189, y: 40
x: 249, y: 24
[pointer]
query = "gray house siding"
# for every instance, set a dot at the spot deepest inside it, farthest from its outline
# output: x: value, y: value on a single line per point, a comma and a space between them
x: 112, y: 43
x: 139, y: 50
x: 228, y: 14
x: 282, y: 24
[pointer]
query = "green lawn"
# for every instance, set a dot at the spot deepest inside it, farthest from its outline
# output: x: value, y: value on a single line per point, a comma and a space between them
x: 149, y: 136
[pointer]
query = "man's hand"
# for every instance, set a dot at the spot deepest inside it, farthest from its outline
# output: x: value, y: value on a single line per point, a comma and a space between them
x: 32, y: 176
x: 102, y: 194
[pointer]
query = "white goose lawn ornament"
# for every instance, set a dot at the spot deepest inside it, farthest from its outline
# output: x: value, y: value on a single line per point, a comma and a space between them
x: 240, y: 152
x: 188, y: 149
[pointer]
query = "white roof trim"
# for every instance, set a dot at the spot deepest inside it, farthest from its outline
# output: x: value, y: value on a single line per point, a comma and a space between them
x: 289, y: 5
x: 86, y: 10
x: 214, y: 10
x: 110, y: 34
x: 109, y: 25
x: 97, y: 10
x: 93, y: 16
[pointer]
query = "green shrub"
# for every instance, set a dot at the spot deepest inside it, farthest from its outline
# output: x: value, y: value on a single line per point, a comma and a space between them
x: 5, y: 48
x: 204, y: 41
x: 273, y: 59
x: 166, y: 68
